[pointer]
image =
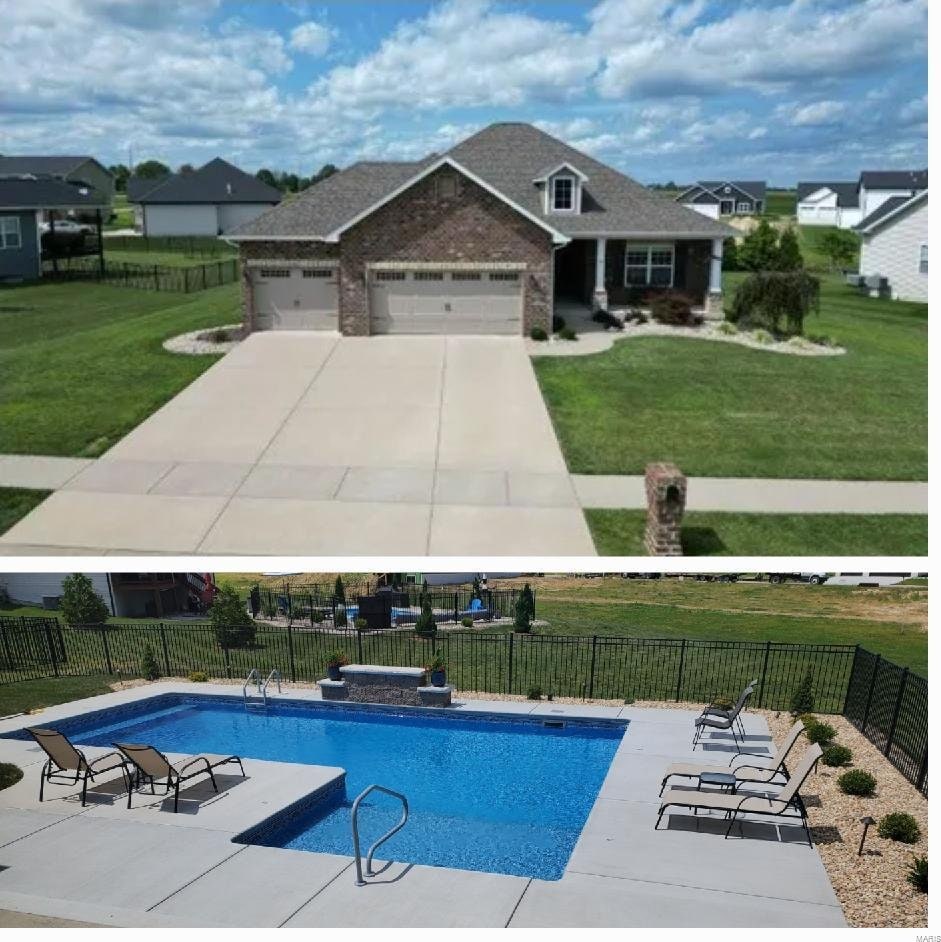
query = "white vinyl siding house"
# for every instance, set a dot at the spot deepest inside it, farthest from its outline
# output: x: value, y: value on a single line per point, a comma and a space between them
x: 896, y: 248
x: 193, y: 220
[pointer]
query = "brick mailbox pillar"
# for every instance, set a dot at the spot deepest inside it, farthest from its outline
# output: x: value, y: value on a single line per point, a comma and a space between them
x: 666, y: 501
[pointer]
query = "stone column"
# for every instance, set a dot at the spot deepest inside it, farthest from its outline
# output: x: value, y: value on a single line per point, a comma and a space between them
x: 599, y: 298
x: 714, y: 292
x: 666, y: 500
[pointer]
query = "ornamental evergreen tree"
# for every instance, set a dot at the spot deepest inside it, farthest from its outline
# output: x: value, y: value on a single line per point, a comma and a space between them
x: 730, y: 260
x: 339, y: 604
x: 789, y: 252
x: 230, y: 620
x: 759, y: 249
x: 802, y: 700
x: 426, y: 626
x: 521, y: 620
x: 149, y: 668
x: 81, y: 604
x: 527, y: 594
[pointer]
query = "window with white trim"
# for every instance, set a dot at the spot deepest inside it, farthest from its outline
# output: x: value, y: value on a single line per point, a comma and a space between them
x: 744, y: 207
x: 563, y: 194
x: 428, y: 276
x: 274, y: 272
x: 923, y: 259
x: 10, y: 237
x: 317, y: 272
x: 648, y: 266
x: 390, y: 276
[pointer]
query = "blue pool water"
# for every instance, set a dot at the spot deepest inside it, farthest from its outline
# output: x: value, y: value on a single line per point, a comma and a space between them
x: 504, y: 796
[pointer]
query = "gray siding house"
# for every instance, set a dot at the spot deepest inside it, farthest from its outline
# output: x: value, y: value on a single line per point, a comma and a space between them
x: 77, y: 169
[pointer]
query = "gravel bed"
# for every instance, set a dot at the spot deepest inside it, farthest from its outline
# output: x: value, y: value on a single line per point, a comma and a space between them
x: 196, y: 342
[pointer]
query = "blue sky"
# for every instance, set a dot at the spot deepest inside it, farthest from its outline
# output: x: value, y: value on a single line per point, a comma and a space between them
x: 798, y: 89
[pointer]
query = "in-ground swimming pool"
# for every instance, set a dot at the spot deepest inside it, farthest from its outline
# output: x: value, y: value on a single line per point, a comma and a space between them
x: 502, y: 794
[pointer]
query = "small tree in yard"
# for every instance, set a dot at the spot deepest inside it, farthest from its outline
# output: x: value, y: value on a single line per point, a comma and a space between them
x: 840, y: 247
x: 789, y: 252
x: 426, y: 626
x: 149, y: 668
x: 759, y: 249
x: 521, y: 620
x: 81, y: 604
x: 730, y: 259
x: 803, y: 699
x: 776, y: 301
x: 339, y: 604
x: 230, y: 620
x: 527, y: 594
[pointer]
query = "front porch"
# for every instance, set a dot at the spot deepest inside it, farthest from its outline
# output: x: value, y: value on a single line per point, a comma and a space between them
x: 619, y: 274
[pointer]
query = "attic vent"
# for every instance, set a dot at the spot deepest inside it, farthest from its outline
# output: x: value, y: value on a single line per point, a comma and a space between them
x: 446, y: 185
x: 228, y: 189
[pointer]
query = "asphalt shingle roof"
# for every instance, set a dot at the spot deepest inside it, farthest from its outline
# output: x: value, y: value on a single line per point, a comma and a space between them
x: 56, y: 165
x: 215, y: 182
x: 508, y: 157
x: 894, y: 179
x: 17, y: 192
x: 847, y: 191
x: 889, y: 206
x: 754, y: 188
x: 138, y: 186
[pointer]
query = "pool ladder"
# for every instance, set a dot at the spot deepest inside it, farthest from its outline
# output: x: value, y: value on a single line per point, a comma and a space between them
x: 355, y: 825
x: 255, y: 675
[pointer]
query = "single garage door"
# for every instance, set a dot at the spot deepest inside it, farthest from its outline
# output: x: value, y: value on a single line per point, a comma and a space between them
x: 295, y: 298
x: 403, y: 301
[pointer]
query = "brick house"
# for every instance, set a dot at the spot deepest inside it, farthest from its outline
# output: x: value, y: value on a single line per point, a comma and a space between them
x: 482, y: 239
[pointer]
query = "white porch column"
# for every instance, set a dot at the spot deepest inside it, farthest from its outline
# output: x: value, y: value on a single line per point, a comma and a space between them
x: 600, y: 294
x: 714, y: 294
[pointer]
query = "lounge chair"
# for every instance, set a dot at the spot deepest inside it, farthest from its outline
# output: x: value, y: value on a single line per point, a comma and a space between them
x: 750, y: 771
x: 787, y: 804
x: 724, y: 719
x: 66, y: 765
x: 150, y: 765
x: 712, y: 710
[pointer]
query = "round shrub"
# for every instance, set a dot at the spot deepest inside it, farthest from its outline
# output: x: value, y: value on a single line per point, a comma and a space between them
x: 899, y: 826
x: 9, y: 774
x: 558, y: 322
x: 566, y: 333
x: 837, y: 756
x: 822, y: 733
x: 360, y: 624
x: 808, y: 719
x: 198, y: 677
x: 534, y: 693
x: 857, y: 782
x: 727, y: 327
x: 762, y: 336
x: 467, y: 621
x: 537, y: 333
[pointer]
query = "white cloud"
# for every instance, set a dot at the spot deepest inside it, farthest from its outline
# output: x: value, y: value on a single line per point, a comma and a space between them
x: 311, y: 38
x: 817, y: 113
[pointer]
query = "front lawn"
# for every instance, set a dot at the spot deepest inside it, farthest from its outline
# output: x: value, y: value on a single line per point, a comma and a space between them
x: 82, y: 363
x: 723, y: 410
x: 17, y: 502
x: 621, y: 533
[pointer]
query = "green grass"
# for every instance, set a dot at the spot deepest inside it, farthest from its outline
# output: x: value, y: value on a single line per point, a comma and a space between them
x: 724, y: 410
x: 16, y: 502
x: 781, y: 202
x: 123, y: 212
x: 82, y: 363
x: 35, y: 694
x: 621, y: 533
x: 171, y: 259
x: 810, y: 238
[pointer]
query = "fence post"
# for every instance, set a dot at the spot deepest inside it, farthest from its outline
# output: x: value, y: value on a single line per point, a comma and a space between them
x: 7, y: 653
x: 849, y: 683
x: 895, y: 712
x: 591, y: 675
x: 104, y: 643
x: 186, y: 281
x: 679, y: 673
x: 872, y: 687
x: 764, y: 674
x: 156, y: 278
x: 509, y: 667
x: 52, y: 652
x: 225, y: 657
x: 219, y: 266
x: 922, y: 771
x: 359, y: 645
x: 291, y: 654
x: 166, y: 650
x: 455, y: 607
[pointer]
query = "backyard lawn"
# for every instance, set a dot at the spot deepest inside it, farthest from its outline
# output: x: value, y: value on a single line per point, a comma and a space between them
x: 17, y: 502
x: 621, y: 533
x: 82, y: 363
x: 722, y: 410
x: 34, y: 694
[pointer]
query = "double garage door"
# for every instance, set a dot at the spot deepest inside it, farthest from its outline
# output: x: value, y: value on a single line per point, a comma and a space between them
x: 291, y: 297
x: 404, y: 301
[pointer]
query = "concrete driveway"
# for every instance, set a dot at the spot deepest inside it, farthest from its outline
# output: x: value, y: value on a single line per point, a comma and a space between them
x: 307, y: 443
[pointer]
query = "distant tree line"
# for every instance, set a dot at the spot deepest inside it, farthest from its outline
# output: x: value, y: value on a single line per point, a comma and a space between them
x: 291, y: 182
x: 152, y: 169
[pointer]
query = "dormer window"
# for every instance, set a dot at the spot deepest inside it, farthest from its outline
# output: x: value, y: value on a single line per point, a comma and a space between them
x: 563, y: 194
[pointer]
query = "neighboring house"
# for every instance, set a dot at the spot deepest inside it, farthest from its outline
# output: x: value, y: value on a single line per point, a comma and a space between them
x: 715, y: 198
x: 895, y: 245
x: 210, y: 201
x: 80, y: 169
x: 127, y: 594
x: 877, y: 186
x: 481, y: 239
x: 24, y: 203
x: 832, y: 203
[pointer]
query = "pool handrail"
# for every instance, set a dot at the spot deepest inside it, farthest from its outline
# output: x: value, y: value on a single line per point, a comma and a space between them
x: 274, y: 675
x: 253, y: 674
x: 355, y: 825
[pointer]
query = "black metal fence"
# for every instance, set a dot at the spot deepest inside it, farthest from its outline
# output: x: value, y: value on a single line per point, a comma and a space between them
x: 198, y: 246
x: 184, y: 279
x: 888, y: 704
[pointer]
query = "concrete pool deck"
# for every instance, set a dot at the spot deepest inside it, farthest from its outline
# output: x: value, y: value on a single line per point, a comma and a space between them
x: 148, y: 867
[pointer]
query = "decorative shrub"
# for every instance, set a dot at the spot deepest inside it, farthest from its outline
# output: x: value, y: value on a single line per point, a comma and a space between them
x: 775, y: 301
x: 566, y: 333
x: 537, y: 333
x: 789, y: 253
x: 899, y: 826
x: 81, y: 604
x: 608, y: 319
x: 149, y: 668
x: 823, y: 340
x: 723, y: 703
x: 198, y: 677
x: 558, y: 322
x: 837, y: 756
x: 730, y: 261
x: 917, y: 874
x: 231, y: 622
x: 337, y: 658
x: 758, y: 251
x: 437, y: 662
x: 527, y: 594
x: 467, y: 621
x: 339, y: 616
x: 762, y: 336
x: 360, y: 624
x: 521, y: 618
x: 822, y: 733
x: 426, y: 626
x: 9, y: 774
x: 671, y: 307
x: 727, y: 327
x: 534, y: 693
x: 316, y: 617
x: 802, y: 700
x: 857, y: 782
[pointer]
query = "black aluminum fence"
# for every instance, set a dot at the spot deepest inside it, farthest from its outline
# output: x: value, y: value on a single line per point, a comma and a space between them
x: 184, y: 279
x: 317, y: 603
x: 888, y: 704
